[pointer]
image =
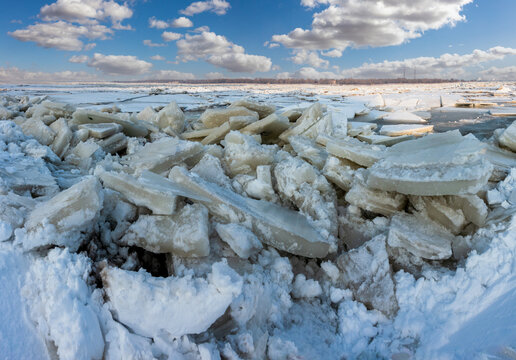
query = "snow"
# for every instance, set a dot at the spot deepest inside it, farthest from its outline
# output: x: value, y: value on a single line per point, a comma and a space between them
x: 176, y: 305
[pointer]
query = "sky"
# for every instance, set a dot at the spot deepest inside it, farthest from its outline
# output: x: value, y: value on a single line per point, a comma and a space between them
x: 81, y: 40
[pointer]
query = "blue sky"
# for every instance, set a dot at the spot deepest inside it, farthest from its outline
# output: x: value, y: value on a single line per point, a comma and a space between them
x: 104, y: 39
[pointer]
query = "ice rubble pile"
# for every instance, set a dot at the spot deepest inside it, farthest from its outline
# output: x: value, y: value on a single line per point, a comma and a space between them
x: 200, y: 237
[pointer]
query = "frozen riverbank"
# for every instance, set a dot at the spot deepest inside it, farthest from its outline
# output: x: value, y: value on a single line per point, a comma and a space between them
x: 287, y: 225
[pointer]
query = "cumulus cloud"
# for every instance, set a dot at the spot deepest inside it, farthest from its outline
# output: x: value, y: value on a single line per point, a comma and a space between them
x: 308, y: 73
x: 182, y: 22
x: 149, y: 43
x: 359, y: 23
x: 78, y: 59
x: 119, y: 64
x: 61, y: 35
x: 170, y: 36
x: 219, y: 7
x: 201, y: 29
x: 59, y: 28
x: 219, y: 51
x: 158, y: 24
x: 172, y: 75
x: 14, y: 75
x: 446, y: 65
x: 335, y: 53
x: 157, y: 57
x: 84, y: 11
x: 309, y: 57
x: 496, y: 73
x: 214, y: 75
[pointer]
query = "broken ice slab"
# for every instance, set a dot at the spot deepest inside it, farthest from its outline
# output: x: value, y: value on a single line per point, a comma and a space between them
x: 502, y: 160
x: 503, y: 112
x: 402, y: 117
x: 356, y: 128
x: 340, y: 172
x: 261, y: 187
x: 282, y: 228
x: 381, y: 202
x: 84, y: 150
x: 263, y: 110
x: 196, y: 134
x: 473, y: 207
x: 273, y: 125
x: 441, y: 210
x: 398, y: 130
x: 307, y: 149
x: 292, y: 114
x: 63, y: 137
x: 308, y: 119
x: 151, y: 306
x: 71, y: 212
x: 184, y: 234
x: 508, y: 137
x: 170, y: 116
x: 38, y: 130
x: 240, y: 239
x: 161, y: 201
x: 217, y: 134
x: 234, y: 123
x: 334, y: 124
x: 367, y: 272
x: 243, y: 153
x: 101, y: 130
x: 383, y: 140
x: 215, y: 117
x: 420, y: 237
x: 84, y: 116
x: 475, y: 104
x: 356, y: 151
x: 26, y: 174
x: 55, y: 109
x: 161, y: 155
x: 304, y: 186
x: 114, y: 143
x: 437, y: 164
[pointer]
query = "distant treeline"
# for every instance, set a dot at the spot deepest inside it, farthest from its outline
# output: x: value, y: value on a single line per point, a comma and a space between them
x: 303, y: 81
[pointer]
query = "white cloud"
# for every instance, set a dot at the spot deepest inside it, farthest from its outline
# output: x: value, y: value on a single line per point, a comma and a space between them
x: 59, y: 28
x: 308, y: 73
x: 14, y: 75
x: 182, y: 22
x: 371, y: 22
x: 170, y: 36
x: 61, y: 35
x: 84, y: 11
x: 219, y: 7
x: 157, y: 57
x: 214, y: 75
x: 275, y: 67
x: 172, y: 75
x: 309, y: 57
x: 119, y: 64
x: 78, y: 59
x: 149, y: 43
x: 217, y: 50
x: 335, y: 53
x: 201, y: 29
x: 89, y: 46
x: 158, y: 24
x: 446, y: 65
x: 496, y: 73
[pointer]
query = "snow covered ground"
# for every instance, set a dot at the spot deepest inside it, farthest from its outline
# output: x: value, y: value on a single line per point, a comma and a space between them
x: 285, y: 226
